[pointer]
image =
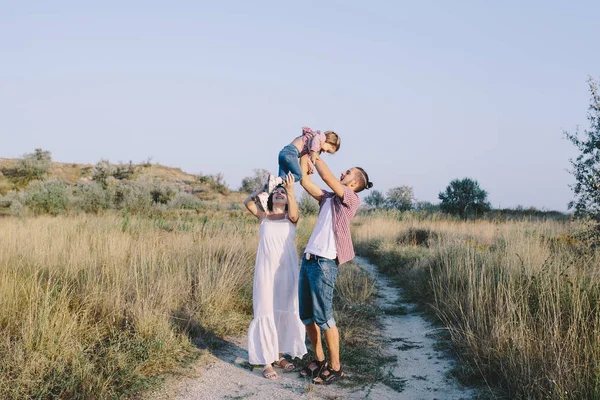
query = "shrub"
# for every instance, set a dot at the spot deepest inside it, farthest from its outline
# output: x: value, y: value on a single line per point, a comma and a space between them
x: 17, y: 209
x: 124, y: 171
x: 102, y: 171
x: 185, y: 201
x: 92, y: 198
x: 308, y: 205
x: 215, y: 182
x: 51, y: 197
x: 162, y: 192
x: 133, y: 196
x: 31, y: 166
x: 252, y: 183
x: 10, y: 197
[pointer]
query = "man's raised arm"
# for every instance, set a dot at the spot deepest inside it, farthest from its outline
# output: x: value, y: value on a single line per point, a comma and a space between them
x: 329, y: 178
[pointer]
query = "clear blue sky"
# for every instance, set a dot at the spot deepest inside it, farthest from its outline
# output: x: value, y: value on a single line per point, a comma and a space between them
x: 420, y: 92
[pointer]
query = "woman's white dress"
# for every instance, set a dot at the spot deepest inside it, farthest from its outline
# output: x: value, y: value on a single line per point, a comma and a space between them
x: 276, y: 327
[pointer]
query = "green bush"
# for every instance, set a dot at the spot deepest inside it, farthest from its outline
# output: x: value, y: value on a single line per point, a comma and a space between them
x: 102, y: 171
x: 133, y: 196
x: 31, y: 166
x: 92, y: 198
x: 163, y: 192
x: 215, y: 182
x: 185, y: 201
x: 124, y: 171
x: 308, y: 205
x: 50, y: 197
x: 255, y: 182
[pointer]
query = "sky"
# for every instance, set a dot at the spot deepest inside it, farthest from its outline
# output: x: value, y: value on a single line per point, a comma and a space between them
x: 421, y: 93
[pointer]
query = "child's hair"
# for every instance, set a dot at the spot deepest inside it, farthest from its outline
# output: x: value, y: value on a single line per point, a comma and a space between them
x: 270, y: 199
x: 333, y: 139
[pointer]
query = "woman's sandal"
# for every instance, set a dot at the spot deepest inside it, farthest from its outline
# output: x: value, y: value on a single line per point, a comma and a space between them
x: 269, y: 374
x: 329, y: 375
x: 287, y: 367
x: 319, y: 366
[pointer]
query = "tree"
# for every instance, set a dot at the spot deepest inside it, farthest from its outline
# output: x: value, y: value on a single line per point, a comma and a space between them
x: 375, y: 200
x: 252, y: 183
x: 426, y: 206
x: 464, y: 198
x: 586, y: 167
x: 400, y: 198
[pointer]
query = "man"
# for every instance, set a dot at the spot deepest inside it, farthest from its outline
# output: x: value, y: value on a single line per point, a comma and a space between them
x: 329, y: 246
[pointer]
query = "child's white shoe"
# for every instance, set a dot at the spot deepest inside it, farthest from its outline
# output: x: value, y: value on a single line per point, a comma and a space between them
x: 278, y: 181
x: 271, y: 184
x: 263, y: 198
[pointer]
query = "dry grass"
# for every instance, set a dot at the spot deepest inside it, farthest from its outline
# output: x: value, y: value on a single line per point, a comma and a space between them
x: 521, y: 299
x: 100, y: 306
x: 94, y: 307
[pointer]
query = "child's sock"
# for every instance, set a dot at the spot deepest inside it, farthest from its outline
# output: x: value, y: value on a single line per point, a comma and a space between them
x: 278, y: 181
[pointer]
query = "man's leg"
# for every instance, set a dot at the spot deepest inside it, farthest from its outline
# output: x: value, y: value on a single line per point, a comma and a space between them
x: 332, y: 336
x: 314, y: 335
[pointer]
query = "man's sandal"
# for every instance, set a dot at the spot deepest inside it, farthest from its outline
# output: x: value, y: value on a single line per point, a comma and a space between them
x: 285, y: 365
x: 269, y: 374
x: 329, y: 375
x: 318, y: 367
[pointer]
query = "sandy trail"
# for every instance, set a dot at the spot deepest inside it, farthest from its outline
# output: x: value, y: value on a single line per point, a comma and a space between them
x: 420, y: 371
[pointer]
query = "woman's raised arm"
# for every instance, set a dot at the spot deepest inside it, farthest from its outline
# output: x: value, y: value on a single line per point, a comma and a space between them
x: 250, y: 203
x: 292, y: 204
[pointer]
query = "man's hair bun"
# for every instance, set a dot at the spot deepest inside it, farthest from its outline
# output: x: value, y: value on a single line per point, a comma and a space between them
x: 369, y: 185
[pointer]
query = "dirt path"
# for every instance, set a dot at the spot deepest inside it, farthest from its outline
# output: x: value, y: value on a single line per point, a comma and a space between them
x: 420, y: 371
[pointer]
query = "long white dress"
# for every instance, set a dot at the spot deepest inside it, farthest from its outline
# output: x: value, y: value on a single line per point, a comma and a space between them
x: 276, y: 327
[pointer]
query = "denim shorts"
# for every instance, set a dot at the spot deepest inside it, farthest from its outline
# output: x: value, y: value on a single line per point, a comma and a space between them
x: 315, y: 291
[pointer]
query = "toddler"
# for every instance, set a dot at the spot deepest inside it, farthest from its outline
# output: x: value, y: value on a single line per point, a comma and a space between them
x: 310, y: 142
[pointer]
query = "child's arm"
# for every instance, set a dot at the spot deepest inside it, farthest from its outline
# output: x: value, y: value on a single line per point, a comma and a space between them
x: 310, y: 166
x: 250, y: 203
x: 307, y: 183
x: 329, y: 178
x: 315, y: 145
x: 292, y: 205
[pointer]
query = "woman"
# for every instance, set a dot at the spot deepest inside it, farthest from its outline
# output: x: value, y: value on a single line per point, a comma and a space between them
x: 276, y: 328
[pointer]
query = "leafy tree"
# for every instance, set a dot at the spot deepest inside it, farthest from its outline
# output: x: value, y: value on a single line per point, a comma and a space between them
x: 464, y: 198
x: 586, y: 167
x: 375, y: 200
x: 400, y: 198
x: 252, y: 183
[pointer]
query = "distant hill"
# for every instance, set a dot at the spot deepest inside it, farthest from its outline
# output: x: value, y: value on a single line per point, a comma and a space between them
x: 205, y: 187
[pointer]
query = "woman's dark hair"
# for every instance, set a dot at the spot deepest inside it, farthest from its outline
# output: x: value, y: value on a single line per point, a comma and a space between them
x: 270, y: 199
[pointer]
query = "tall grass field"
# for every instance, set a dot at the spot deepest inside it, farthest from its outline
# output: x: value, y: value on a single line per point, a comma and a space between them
x: 102, y: 306
x: 520, y: 299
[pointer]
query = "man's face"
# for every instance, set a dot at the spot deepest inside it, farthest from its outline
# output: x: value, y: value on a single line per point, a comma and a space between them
x: 347, y: 177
